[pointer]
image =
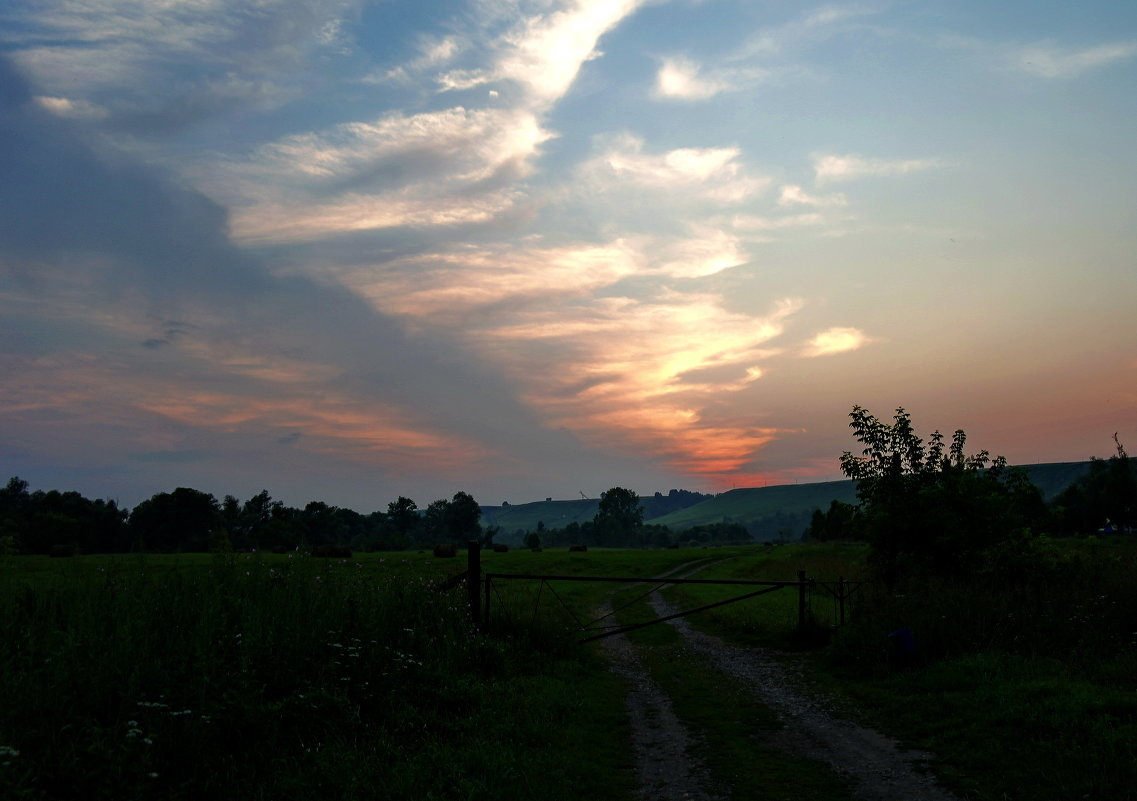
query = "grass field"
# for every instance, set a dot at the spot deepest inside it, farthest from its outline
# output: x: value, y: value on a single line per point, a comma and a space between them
x: 276, y: 677
x: 267, y: 677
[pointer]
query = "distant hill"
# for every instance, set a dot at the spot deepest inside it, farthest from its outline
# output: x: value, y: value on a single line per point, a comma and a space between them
x: 768, y: 513
x: 784, y: 511
x: 557, y: 514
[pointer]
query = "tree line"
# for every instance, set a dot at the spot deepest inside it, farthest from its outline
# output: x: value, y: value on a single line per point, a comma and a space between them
x: 924, y: 505
x: 191, y: 520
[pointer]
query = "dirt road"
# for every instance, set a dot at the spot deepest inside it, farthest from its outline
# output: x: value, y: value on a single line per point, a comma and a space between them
x: 874, y: 765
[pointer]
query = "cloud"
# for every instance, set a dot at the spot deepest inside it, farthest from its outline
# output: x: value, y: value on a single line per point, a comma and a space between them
x: 470, y: 282
x: 793, y: 195
x: 642, y: 372
x: 712, y: 173
x: 178, y: 63
x: 849, y: 167
x: 835, y: 340
x: 681, y: 79
x: 752, y: 222
x: 811, y: 27
x: 707, y: 253
x: 609, y: 367
x: 433, y: 53
x: 441, y: 168
x: 1051, y: 61
x: 251, y: 357
x: 75, y: 109
x: 543, y: 52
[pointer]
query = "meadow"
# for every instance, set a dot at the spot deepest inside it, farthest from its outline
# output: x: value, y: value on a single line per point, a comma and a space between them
x: 286, y: 676
x: 260, y: 676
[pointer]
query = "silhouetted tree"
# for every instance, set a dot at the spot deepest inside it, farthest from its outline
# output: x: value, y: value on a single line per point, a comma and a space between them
x: 1106, y: 496
x: 435, y: 528
x: 462, y: 516
x: 838, y: 523
x: 927, y: 508
x: 182, y: 520
x: 618, y: 518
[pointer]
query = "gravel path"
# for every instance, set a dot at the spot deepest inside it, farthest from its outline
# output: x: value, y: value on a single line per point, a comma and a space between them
x: 878, y: 768
x: 875, y: 766
x: 665, y: 762
x: 667, y: 766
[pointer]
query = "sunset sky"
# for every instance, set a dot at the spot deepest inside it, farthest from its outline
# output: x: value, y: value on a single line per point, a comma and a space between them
x: 346, y: 250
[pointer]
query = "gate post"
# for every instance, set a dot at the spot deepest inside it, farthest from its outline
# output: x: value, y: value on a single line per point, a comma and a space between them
x: 473, y: 579
x: 801, y: 600
x: 841, y: 597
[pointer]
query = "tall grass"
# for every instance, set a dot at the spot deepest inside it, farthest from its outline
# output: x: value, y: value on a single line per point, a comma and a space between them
x: 277, y: 678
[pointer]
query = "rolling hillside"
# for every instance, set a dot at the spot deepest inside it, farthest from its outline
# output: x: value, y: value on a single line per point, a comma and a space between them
x: 768, y: 513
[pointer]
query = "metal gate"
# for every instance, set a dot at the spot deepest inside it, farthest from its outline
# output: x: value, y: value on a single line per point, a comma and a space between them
x: 482, y: 586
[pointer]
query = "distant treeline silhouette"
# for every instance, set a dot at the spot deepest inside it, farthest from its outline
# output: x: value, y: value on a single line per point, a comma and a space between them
x: 61, y: 523
x: 189, y: 520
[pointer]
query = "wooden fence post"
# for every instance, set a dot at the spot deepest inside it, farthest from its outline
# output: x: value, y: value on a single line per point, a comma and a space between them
x: 841, y: 597
x: 473, y: 579
x: 801, y: 600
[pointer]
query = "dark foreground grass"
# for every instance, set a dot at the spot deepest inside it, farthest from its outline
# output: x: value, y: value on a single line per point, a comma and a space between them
x: 276, y: 678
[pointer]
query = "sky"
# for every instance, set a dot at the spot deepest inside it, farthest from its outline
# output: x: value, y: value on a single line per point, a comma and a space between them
x: 351, y: 250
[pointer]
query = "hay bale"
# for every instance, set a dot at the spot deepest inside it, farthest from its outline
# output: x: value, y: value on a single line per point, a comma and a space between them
x: 445, y: 550
x: 578, y: 548
x: 499, y: 547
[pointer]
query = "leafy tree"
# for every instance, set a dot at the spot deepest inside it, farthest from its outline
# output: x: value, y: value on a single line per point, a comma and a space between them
x: 927, y: 508
x: 462, y: 516
x: 838, y: 523
x: 619, y: 517
x: 435, y: 526
x: 182, y: 520
x: 403, y: 517
x: 532, y: 540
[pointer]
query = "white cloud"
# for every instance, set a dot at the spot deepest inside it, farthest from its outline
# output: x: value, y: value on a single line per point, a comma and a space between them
x: 844, y: 168
x: 449, y: 167
x: 433, y: 53
x: 545, y: 51
x: 680, y: 79
x: 709, y: 252
x: 1051, y: 61
x: 713, y: 173
x: 793, y: 195
x: 470, y: 280
x: 464, y: 144
x: 298, y: 222
x: 835, y: 340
